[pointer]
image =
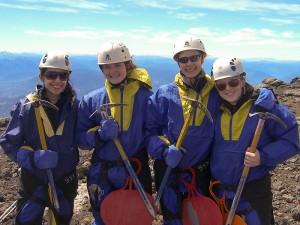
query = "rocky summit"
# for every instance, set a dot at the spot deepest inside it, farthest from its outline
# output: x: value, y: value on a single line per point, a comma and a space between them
x: 285, y: 178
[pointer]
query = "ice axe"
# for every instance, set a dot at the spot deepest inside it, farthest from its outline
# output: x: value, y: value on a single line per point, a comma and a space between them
x: 195, y: 104
x: 260, y: 125
x: 102, y: 110
x: 38, y: 104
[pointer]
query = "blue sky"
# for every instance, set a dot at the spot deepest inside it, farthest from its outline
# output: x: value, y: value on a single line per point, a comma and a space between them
x: 244, y: 28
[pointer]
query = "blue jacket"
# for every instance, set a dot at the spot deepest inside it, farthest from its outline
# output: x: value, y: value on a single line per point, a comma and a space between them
x: 22, y: 132
x: 130, y: 117
x: 234, y: 134
x: 165, y: 118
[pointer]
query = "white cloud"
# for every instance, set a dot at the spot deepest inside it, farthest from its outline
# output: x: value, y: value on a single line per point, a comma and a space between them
x: 177, y: 6
x: 65, y: 6
x: 200, y: 31
x: 189, y: 16
x: 267, y: 33
x: 83, y: 4
x: 38, y: 8
x: 227, y: 5
x: 77, y: 34
x: 278, y: 21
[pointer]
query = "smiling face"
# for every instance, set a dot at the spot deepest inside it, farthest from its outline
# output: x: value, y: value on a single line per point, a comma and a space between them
x: 233, y: 88
x: 54, y: 81
x: 115, y: 73
x: 190, y: 69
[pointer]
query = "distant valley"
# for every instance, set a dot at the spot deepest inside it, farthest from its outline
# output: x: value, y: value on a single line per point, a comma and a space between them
x: 19, y: 73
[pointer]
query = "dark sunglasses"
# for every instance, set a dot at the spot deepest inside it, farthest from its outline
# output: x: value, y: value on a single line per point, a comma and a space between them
x: 192, y: 58
x: 52, y: 75
x: 221, y: 86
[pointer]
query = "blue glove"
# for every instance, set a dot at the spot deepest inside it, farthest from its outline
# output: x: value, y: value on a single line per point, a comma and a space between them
x: 45, y: 159
x: 266, y: 100
x: 24, y: 158
x: 172, y: 156
x: 109, y: 130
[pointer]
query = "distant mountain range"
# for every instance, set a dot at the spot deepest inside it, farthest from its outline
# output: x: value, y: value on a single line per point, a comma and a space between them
x: 19, y: 73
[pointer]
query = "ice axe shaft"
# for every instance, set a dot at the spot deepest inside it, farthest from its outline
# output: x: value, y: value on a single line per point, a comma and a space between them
x: 51, y: 185
x: 102, y: 111
x: 37, y: 103
x: 52, y: 189
x: 182, y: 134
x: 257, y: 134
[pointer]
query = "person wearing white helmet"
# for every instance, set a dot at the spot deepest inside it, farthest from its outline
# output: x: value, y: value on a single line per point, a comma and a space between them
x: 234, y: 132
x: 166, y: 113
x: 125, y: 84
x: 21, y: 142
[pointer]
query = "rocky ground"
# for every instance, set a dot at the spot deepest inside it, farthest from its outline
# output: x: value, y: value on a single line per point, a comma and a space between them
x: 285, y: 185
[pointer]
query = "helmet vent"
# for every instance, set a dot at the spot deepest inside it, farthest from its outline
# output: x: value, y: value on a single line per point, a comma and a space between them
x: 45, y: 57
x: 232, y: 64
x: 67, y: 60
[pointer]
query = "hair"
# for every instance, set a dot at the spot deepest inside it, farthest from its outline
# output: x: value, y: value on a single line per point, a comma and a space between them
x: 70, y: 89
x: 130, y: 65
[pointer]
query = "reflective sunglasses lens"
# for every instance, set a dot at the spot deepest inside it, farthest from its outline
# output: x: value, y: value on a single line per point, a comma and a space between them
x: 233, y: 83
x: 52, y: 75
x: 183, y: 60
x: 194, y: 58
x: 221, y: 86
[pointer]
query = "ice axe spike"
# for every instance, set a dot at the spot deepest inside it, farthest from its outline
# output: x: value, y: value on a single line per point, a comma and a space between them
x: 102, y: 110
x: 195, y: 104
x: 51, y: 185
x: 262, y: 118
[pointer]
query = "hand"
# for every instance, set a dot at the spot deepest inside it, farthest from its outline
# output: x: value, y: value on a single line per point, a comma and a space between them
x: 24, y: 156
x: 252, y: 159
x: 172, y: 156
x: 109, y: 130
x: 265, y: 101
x: 45, y: 159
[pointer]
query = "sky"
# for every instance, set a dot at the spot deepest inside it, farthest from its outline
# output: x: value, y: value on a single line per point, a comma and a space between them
x: 267, y: 29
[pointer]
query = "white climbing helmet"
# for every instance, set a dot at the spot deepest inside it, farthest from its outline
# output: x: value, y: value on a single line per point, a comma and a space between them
x: 227, y: 66
x: 56, y: 59
x: 188, y: 43
x: 113, y: 52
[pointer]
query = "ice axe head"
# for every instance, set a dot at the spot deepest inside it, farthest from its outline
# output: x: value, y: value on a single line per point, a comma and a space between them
x: 267, y: 115
x: 40, y: 102
x: 196, y: 104
x: 103, y: 109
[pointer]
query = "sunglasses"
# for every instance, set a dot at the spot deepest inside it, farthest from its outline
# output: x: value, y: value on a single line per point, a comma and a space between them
x: 192, y: 58
x: 221, y: 86
x: 52, y: 75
